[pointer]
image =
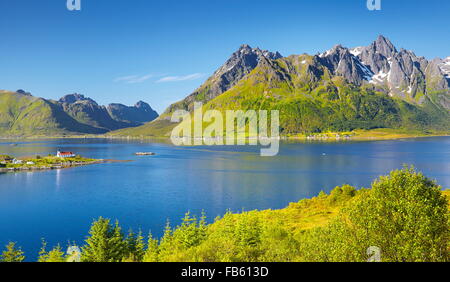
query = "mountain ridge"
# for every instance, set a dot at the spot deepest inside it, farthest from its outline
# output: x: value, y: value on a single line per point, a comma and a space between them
x: 357, y: 79
x: 22, y: 114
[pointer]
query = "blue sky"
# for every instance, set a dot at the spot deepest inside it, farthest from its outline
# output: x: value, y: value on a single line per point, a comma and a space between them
x: 160, y: 51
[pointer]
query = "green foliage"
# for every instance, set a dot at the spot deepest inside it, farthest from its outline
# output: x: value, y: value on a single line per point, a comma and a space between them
x: 25, y: 115
x: 54, y: 255
x: 135, y: 247
x: 12, y: 254
x: 5, y: 158
x: 404, y: 214
x: 152, y: 252
x: 49, y: 161
x: 105, y: 244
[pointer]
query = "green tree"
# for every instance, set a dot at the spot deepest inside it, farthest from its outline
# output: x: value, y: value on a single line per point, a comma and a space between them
x: 152, y: 252
x: 405, y: 215
x: 167, y: 244
x: 247, y: 234
x: 189, y: 233
x: 135, y: 247
x: 54, y: 255
x: 105, y: 244
x: 12, y: 254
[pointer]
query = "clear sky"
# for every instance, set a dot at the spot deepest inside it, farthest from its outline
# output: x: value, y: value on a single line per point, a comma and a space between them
x: 160, y: 51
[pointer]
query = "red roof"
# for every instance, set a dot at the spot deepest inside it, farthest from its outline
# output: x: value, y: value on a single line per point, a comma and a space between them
x: 66, y: 153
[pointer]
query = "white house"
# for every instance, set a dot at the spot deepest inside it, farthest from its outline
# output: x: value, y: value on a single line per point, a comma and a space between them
x: 60, y: 154
x: 16, y: 161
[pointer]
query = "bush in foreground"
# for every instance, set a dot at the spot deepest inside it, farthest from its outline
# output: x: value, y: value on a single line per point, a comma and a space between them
x: 404, y: 216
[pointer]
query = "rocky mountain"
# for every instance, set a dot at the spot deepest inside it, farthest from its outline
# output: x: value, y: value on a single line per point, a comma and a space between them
x: 240, y: 64
x: 22, y: 114
x: 87, y: 111
x: 401, y: 73
x: 375, y: 86
x: 136, y: 115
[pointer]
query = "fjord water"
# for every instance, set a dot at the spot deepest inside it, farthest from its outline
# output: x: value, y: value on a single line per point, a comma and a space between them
x: 59, y: 205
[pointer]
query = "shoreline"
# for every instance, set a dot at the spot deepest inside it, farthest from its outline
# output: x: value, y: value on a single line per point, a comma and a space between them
x: 364, y: 137
x: 60, y: 166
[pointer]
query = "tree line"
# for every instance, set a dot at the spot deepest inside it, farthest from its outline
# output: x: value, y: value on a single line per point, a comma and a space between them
x: 404, y: 215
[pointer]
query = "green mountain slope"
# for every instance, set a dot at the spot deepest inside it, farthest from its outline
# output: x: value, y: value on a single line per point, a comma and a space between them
x: 311, y: 99
x: 25, y: 115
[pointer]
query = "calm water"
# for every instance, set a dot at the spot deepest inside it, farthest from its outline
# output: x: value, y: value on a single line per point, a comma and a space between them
x: 60, y: 205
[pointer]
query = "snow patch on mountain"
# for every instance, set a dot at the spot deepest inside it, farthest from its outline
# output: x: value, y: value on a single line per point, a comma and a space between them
x: 356, y: 51
x: 368, y: 74
x: 445, y: 67
x: 379, y: 77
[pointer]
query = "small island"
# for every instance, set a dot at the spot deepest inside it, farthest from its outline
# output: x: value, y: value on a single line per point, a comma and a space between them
x: 58, y: 161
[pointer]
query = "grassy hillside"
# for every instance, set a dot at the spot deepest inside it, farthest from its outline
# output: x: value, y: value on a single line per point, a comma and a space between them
x: 157, y: 128
x: 310, y: 105
x: 310, y: 101
x: 25, y: 115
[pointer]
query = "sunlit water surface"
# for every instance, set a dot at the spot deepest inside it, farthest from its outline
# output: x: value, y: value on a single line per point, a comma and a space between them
x: 59, y: 205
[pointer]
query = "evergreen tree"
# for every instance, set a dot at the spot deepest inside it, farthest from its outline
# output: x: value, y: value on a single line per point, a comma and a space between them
x: 152, y: 252
x: 12, y: 254
x: 167, y: 245
x: 247, y: 234
x: 135, y: 247
x: 203, y: 227
x: 105, y: 244
x: 187, y: 235
x: 55, y: 255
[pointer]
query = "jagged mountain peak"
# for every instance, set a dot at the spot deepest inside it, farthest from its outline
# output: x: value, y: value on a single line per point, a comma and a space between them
x: 384, y: 46
x: 246, y: 49
x: 142, y: 104
x: 74, y: 98
x: 246, y: 57
x: 336, y: 50
x: 399, y: 70
x: 240, y: 64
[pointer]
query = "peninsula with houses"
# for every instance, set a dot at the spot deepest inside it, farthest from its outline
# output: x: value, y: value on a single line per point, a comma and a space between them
x: 58, y: 161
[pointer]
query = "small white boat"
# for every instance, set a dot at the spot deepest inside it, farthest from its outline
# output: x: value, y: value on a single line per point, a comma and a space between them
x: 145, y: 154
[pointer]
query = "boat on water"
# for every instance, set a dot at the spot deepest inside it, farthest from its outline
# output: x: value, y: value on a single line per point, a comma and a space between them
x: 145, y: 154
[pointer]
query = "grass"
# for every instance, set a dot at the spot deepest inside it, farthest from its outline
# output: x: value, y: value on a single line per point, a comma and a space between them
x: 311, y: 213
x: 49, y: 162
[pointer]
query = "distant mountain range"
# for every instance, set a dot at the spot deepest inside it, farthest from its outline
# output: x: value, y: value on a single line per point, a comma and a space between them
x: 22, y: 114
x: 342, y: 89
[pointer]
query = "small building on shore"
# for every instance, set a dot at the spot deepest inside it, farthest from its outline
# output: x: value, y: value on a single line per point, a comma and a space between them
x: 17, y: 162
x: 60, y: 154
